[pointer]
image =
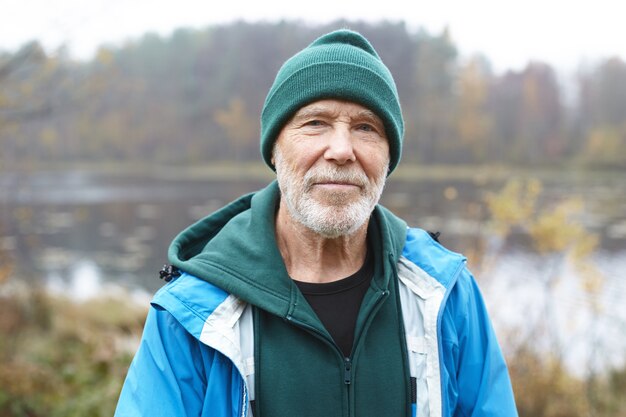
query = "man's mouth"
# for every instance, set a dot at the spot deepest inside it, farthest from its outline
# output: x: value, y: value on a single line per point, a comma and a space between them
x: 336, y: 184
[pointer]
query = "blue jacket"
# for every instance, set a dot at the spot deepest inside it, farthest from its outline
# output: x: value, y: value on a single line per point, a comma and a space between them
x: 196, y: 357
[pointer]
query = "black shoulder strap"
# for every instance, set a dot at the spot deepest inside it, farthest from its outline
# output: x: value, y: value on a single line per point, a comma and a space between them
x: 435, y: 235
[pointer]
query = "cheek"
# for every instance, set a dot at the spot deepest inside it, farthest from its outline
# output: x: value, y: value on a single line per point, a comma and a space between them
x: 295, y: 163
x: 299, y: 150
x: 375, y: 160
x: 305, y: 158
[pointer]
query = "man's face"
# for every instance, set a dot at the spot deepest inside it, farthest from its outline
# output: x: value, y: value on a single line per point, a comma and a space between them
x: 331, y: 162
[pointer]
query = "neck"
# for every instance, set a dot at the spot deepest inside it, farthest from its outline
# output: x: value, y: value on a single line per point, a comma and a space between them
x: 310, y: 257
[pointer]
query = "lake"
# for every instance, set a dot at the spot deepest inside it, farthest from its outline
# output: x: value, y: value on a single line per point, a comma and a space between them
x: 80, y: 231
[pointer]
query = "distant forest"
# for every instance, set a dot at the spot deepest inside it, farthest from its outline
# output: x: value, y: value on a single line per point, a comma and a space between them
x: 195, y: 97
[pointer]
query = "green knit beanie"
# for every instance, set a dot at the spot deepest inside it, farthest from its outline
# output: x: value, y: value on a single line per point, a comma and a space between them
x: 340, y: 65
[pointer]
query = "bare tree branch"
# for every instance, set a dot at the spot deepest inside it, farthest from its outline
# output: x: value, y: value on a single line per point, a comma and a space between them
x: 18, y: 59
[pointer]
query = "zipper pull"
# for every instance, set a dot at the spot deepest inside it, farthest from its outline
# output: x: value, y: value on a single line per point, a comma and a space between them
x: 169, y: 272
x: 347, y: 375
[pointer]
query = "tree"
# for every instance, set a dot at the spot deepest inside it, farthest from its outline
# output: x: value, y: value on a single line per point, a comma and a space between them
x: 603, y: 114
x: 30, y: 82
x: 239, y: 126
x: 528, y: 116
x: 433, y: 86
x: 474, y: 123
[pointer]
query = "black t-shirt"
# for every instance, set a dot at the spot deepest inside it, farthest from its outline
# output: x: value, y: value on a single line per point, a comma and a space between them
x: 337, y: 303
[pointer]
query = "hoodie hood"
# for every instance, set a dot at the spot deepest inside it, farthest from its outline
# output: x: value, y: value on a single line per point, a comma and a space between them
x: 235, y: 249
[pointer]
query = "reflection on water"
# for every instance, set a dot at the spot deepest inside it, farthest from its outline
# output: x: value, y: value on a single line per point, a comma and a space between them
x: 80, y: 232
x: 85, y: 282
x: 52, y: 222
x: 545, y: 300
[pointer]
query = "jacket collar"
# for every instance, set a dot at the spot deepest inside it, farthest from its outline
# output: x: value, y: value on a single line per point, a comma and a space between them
x: 235, y: 249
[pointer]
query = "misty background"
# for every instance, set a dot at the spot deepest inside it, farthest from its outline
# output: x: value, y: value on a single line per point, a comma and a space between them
x: 105, y: 158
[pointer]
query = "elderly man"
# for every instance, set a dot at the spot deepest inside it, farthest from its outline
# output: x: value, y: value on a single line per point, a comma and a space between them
x: 307, y: 298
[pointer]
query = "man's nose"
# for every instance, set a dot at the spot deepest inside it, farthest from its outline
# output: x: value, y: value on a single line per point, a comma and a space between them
x: 340, y: 148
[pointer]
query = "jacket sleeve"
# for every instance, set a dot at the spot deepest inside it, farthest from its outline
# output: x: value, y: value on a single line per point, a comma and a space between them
x: 167, y: 375
x: 479, y: 379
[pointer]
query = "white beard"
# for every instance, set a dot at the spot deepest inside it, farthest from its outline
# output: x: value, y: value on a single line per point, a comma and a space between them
x: 342, y: 215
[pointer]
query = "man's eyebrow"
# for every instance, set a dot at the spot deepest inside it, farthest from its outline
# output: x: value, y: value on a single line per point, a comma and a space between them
x: 312, y: 112
x: 368, y: 114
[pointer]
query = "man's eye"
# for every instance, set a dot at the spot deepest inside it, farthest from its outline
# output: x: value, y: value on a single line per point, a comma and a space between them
x: 313, y: 123
x: 366, y: 127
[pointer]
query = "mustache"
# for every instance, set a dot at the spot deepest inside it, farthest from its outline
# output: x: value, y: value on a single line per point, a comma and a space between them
x: 334, y: 174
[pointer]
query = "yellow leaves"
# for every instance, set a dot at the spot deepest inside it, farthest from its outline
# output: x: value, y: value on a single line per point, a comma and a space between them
x: 473, y: 123
x: 6, y: 267
x: 603, y: 140
x: 544, y: 388
x: 239, y: 126
x: 606, y: 144
x: 555, y: 229
x: 513, y: 206
x: 531, y: 93
x: 49, y: 138
x: 105, y: 56
x: 592, y: 278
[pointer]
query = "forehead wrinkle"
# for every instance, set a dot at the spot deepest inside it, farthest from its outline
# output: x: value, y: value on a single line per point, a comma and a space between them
x: 321, y: 111
x: 315, y: 111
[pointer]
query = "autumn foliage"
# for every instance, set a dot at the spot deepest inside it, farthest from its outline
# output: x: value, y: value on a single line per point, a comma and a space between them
x: 195, y: 97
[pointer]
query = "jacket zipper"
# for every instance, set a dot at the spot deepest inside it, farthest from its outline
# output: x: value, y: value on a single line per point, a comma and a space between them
x: 347, y: 361
x: 347, y: 374
x: 315, y: 332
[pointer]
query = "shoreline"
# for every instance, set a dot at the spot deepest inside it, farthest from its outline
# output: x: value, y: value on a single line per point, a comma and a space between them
x: 247, y: 171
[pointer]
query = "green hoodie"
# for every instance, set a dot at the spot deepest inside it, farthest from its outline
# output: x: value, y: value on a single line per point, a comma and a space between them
x: 299, y: 370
